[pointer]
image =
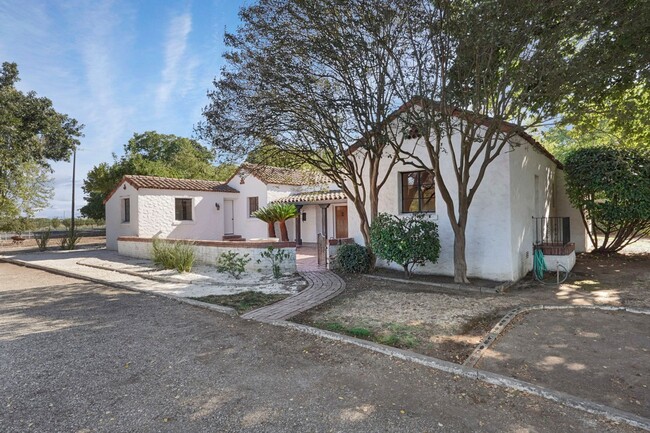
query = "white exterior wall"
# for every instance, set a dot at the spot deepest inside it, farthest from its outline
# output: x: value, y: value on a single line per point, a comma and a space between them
x: 564, y: 208
x: 249, y: 227
x: 208, y: 255
x: 114, y: 225
x: 525, y: 163
x: 488, y: 250
x: 252, y: 228
x: 156, y: 214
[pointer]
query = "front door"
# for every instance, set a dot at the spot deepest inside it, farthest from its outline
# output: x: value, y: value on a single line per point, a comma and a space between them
x: 228, y: 217
x: 341, y: 221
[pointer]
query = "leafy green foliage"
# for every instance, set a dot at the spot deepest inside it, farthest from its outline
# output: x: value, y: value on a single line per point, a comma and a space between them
x: 353, y: 259
x: 173, y: 255
x: 31, y: 134
x: 42, y: 239
x: 406, y: 241
x: 70, y: 240
x: 276, y: 256
x: 232, y: 263
x: 277, y: 212
x: 611, y: 188
x: 151, y: 154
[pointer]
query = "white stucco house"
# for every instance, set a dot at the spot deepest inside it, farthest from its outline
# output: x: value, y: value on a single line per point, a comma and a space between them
x: 521, y: 201
x: 150, y: 206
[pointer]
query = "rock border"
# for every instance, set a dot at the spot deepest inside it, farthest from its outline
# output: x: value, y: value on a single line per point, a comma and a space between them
x: 447, y: 287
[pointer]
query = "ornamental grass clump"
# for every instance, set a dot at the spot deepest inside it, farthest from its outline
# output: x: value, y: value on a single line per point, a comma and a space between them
x: 173, y: 255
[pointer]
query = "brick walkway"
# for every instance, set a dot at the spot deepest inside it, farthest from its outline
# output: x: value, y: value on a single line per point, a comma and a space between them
x: 323, y: 285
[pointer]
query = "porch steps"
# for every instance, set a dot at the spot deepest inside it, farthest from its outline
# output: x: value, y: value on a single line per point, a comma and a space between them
x: 233, y: 238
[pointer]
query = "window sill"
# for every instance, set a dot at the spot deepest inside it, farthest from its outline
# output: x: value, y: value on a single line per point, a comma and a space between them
x: 429, y: 215
x: 183, y: 222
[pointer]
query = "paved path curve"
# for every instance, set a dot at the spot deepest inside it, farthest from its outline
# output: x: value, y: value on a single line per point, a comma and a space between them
x: 323, y: 285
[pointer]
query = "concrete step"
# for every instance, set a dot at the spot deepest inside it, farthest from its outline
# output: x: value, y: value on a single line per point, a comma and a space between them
x: 233, y: 238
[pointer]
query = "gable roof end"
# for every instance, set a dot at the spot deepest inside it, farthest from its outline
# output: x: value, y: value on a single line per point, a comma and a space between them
x: 282, y: 176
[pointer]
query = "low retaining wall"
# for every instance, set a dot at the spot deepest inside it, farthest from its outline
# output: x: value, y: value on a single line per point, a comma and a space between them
x: 568, y: 261
x: 208, y: 251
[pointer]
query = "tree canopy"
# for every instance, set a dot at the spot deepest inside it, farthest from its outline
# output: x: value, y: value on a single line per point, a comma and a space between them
x: 152, y: 154
x: 32, y: 133
x: 319, y: 78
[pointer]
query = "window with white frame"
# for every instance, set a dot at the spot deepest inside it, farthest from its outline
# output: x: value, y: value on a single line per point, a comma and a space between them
x: 183, y: 209
x: 126, y: 210
x: 418, y: 192
x: 253, y: 205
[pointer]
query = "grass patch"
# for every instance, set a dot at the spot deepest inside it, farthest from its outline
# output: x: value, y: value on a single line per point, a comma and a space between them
x: 243, y: 302
x: 393, y: 335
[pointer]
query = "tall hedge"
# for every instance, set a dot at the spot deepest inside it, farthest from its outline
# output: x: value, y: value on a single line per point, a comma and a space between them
x: 611, y: 188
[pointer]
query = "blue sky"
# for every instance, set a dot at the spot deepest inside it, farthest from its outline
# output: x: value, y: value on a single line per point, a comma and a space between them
x: 118, y: 67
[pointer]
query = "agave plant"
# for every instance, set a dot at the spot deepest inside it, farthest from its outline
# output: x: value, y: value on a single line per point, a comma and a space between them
x: 283, y: 212
x: 265, y: 214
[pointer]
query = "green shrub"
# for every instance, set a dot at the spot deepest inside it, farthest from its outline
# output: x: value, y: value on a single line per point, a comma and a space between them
x: 173, y: 255
x: 276, y: 256
x: 611, y: 188
x: 42, y: 239
x: 232, y: 263
x: 353, y: 259
x: 407, y: 241
x: 70, y: 240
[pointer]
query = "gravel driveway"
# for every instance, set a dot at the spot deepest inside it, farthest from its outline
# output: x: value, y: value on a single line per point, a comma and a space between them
x: 81, y: 357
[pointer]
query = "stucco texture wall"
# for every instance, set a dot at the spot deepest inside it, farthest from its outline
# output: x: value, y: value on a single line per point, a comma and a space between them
x: 490, y: 246
x: 114, y: 225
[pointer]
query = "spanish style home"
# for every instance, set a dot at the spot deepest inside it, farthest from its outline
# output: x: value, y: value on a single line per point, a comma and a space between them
x: 521, y: 202
x: 149, y: 206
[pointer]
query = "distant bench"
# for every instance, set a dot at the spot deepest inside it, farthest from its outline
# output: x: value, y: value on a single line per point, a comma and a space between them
x: 17, y: 240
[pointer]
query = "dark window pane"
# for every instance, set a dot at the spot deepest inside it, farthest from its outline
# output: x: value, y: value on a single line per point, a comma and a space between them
x: 183, y: 209
x: 418, y: 192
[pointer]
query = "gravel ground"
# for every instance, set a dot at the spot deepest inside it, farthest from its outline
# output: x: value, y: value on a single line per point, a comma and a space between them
x: 599, y: 355
x: 76, y: 356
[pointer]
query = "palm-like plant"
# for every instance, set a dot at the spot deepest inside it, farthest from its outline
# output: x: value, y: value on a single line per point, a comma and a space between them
x: 283, y: 212
x: 265, y: 214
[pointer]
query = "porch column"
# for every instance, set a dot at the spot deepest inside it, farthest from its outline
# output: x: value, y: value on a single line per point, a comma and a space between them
x: 298, y: 224
x: 323, y: 209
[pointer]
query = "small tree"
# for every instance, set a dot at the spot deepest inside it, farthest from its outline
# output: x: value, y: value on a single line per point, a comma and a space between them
x: 283, y: 212
x: 406, y: 241
x: 268, y: 217
x: 611, y: 188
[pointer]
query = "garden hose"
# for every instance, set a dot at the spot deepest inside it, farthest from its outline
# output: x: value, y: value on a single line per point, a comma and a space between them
x: 539, y: 266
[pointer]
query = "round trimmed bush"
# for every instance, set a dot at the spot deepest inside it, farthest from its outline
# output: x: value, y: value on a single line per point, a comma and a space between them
x: 353, y: 259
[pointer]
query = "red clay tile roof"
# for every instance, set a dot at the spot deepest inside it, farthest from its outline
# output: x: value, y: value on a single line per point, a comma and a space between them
x: 310, y: 197
x: 155, y: 182
x: 283, y: 176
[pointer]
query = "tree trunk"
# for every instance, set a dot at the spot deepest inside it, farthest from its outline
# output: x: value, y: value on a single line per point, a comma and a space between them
x: 284, y: 235
x: 271, y: 229
x: 460, y: 263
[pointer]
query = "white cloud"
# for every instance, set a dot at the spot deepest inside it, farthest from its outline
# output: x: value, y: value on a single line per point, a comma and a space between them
x: 177, y: 72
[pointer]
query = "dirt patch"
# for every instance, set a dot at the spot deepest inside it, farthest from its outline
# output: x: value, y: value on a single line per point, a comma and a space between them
x: 599, y: 355
x: 448, y: 325
x: 243, y: 302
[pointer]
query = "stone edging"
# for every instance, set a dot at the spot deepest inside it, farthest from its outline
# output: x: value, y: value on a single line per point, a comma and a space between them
x: 449, y: 288
x: 560, y: 397
x: 213, y: 307
x: 485, y: 344
x: 565, y: 399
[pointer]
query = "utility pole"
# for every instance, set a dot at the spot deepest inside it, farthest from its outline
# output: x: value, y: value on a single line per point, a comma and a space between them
x: 74, y: 164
